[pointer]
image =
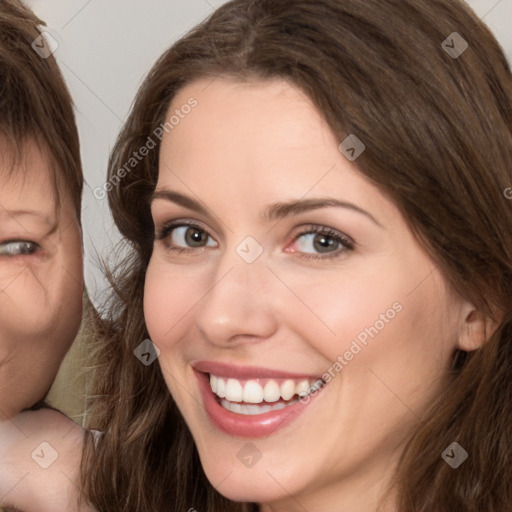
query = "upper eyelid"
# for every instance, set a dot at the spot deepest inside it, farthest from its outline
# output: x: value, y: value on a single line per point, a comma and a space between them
x: 18, y: 240
x: 181, y: 223
x: 329, y: 231
x: 160, y: 199
x: 320, y: 228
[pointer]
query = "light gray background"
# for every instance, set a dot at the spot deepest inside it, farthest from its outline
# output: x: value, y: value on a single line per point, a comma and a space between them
x: 106, y: 47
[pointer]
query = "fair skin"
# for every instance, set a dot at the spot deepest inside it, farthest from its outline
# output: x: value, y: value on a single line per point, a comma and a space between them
x: 39, y: 462
x: 41, y: 287
x: 297, y: 307
x: 40, y: 280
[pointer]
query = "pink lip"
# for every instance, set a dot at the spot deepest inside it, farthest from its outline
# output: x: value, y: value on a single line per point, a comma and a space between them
x: 247, y: 372
x: 239, y: 425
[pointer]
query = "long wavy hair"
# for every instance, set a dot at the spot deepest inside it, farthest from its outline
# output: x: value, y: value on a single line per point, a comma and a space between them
x: 438, y: 133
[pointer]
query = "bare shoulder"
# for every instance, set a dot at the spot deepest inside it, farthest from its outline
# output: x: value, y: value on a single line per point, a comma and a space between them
x: 40, y: 455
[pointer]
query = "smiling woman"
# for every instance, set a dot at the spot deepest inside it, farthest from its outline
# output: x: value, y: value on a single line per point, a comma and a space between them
x: 329, y: 334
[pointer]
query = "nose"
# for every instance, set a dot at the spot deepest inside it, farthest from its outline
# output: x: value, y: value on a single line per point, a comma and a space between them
x: 239, y: 307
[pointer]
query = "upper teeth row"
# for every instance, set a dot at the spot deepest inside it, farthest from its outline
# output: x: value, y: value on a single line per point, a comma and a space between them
x: 253, y: 392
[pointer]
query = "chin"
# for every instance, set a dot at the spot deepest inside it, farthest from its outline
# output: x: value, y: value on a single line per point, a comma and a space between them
x: 246, y: 488
x: 261, y: 483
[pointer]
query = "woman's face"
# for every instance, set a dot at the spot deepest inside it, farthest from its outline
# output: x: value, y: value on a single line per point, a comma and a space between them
x: 276, y: 265
x: 40, y: 280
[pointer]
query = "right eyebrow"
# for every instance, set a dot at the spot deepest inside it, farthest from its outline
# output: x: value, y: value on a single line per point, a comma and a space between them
x: 182, y: 200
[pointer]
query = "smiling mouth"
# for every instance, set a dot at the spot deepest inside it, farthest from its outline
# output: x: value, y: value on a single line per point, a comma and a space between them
x: 259, y: 396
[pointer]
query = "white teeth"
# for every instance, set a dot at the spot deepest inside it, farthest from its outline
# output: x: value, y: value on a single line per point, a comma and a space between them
x: 271, y: 391
x: 233, y: 390
x: 235, y: 407
x: 213, y: 383
x: 287, y: 389
x: 221, y: 388
x: 302, y: 388
x: 252, y: 392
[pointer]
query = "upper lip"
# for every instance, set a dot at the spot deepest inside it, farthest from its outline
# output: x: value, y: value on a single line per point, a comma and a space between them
x: 247, y: 372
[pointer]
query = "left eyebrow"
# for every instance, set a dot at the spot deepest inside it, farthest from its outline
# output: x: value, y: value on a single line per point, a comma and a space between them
x: 279, y: 211
x: 28, y: 213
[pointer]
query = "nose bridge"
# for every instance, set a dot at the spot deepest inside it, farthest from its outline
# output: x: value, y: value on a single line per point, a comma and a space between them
x: 237, y: 304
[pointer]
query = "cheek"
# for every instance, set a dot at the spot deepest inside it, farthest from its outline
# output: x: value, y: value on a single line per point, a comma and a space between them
x: 41, y: 304
x: 336, y: 309
x: 375, y: 320
x: 169, y: 300
x: 35, y: 333
x: 25, y: 309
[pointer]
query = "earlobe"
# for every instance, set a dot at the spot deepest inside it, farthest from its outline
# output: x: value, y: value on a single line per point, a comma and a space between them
x: 474, y: 330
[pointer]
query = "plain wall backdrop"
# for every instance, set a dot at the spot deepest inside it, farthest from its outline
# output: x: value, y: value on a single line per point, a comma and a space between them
x: 105, y: 49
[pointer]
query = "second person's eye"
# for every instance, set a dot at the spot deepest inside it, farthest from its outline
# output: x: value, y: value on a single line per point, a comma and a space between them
x: 18, y: 248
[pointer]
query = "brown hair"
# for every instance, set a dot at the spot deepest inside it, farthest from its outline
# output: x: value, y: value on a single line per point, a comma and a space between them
x: 438, y: 136
x: 34, y: 101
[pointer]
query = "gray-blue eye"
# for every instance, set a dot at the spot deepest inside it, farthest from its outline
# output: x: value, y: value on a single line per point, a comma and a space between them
x: 190, y: 236
x: 18, y: 248
x: 318, y: 243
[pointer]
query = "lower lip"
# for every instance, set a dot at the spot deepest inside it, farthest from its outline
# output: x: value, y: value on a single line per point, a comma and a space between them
x: 241, y: 425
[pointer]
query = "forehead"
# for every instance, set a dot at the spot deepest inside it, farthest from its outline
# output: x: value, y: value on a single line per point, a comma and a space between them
x: 246, y: 127
x: 27, y: 178
x: 282, y: 110
x: 265, y: 138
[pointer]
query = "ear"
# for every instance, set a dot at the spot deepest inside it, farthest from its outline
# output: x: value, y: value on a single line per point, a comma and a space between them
x: 474, y: 330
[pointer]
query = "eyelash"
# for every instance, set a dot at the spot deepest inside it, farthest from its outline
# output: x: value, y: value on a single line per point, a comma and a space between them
x: 345, y: 241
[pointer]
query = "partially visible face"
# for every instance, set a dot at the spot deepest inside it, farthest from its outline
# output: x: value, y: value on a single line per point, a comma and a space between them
x: 40, y: 280
x: 277, y: 264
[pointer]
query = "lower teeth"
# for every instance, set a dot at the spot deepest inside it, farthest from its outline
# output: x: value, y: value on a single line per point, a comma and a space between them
x: 251, y: 409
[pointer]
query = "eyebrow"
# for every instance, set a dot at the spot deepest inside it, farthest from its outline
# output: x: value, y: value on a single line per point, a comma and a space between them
x: 273, y: 212
x: 27, y: 213
x: 182, y: 200
x: 281, y: 210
